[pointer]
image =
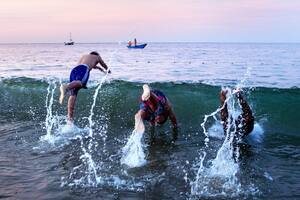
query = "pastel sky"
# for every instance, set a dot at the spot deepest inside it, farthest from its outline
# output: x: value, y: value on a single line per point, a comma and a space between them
x: 150, y: 20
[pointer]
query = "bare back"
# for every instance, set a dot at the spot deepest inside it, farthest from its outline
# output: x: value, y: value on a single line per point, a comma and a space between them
x: 90, y: 60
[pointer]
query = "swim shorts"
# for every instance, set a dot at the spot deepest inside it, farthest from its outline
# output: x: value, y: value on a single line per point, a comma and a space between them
x: 161, y: 107
x: 80, y: 73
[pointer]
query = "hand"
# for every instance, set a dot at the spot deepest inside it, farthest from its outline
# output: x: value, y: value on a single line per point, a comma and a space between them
x: 239, y: 94
x: 237, y: 90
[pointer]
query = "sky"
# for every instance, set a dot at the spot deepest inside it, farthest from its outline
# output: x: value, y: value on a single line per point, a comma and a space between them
x: 150, y: 20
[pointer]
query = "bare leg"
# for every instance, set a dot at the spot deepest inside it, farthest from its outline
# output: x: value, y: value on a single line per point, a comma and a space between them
x: 74, y: 85
x: 173, y: 118
x: 66, y: 87
x: 71, y: 105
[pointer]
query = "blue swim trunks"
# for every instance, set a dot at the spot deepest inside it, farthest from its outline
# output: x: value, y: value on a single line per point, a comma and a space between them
x: 80, y: 73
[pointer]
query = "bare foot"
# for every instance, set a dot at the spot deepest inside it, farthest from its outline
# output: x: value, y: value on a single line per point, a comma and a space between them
x: 63, y: 89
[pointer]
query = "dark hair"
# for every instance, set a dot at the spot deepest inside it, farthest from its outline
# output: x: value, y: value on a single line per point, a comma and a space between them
x: 94, y: 53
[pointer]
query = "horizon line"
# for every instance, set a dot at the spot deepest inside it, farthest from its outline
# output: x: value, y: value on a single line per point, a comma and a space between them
x: 215, y: 42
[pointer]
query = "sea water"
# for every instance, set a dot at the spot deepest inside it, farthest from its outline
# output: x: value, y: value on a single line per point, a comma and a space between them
x: 191, y: 75
x: 133, y: 152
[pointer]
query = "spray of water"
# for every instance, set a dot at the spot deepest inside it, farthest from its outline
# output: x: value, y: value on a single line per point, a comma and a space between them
x: 57, y: 133
x: 50, y: 119
x: 219, y: 178
x: 132, y: 153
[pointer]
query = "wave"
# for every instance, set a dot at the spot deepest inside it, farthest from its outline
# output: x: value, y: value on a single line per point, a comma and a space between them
x: 95, y: 161
x: 25, y: 99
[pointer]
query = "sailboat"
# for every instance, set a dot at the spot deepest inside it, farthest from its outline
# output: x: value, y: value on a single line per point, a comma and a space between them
x: 70, y: 41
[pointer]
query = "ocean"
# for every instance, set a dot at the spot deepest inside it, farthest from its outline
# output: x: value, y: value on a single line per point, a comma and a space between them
x: 42, y: 158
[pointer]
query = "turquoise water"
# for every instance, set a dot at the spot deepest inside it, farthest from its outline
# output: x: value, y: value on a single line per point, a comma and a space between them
x: 34, y: 167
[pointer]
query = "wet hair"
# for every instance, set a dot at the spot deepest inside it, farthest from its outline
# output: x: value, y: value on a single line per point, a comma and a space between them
x: 94, y: 53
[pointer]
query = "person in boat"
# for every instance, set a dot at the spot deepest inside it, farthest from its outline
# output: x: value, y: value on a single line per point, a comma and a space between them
x: 79, y: 77
x: 135, y: 42
x: 245, y: 121
x: 156, y: 108
x: 129, y: 43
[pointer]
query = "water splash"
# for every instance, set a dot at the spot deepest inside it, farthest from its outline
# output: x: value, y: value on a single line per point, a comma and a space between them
x: 50, y: 119
x: 216, y: 130
x: 91, y: 177
x: 220, y: 177
x: 58, y: 133
x: 241, y: 84
x: 132, y: 153
x: 213, y: 114
x: 257, y: 134
x: 244, y: 81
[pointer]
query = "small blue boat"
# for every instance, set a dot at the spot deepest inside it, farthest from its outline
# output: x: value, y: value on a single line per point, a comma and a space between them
x: 140, y: 46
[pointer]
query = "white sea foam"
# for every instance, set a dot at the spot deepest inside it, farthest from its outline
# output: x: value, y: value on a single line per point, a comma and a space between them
x: 257, y: 134
x: 216, y: 130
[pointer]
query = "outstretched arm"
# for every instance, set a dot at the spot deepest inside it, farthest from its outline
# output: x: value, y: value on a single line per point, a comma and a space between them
x: 144, y: 115
x: 246, y: 115
x: 172, y: 115
x: 247, y: 112
x: 245, y: 107
x: 173, y: 118
x: 224, y: 111
x: 100, y: 68
x: 103, y: 64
